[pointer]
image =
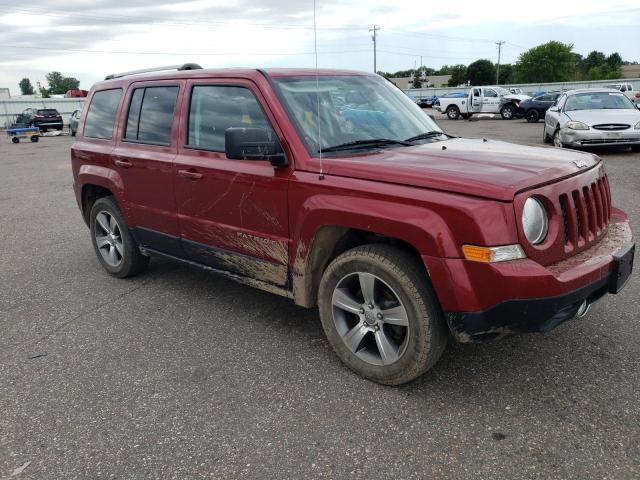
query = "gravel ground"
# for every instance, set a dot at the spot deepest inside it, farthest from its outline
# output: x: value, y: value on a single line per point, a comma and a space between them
x: 181, y: 374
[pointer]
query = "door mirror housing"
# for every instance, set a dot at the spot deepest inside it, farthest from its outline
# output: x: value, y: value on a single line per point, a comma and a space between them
x: 554, y: 108
x: 253, y: 143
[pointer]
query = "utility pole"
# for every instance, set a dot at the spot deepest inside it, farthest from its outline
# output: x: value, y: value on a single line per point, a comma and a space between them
x: 499, y: 43
x: 373, y: 37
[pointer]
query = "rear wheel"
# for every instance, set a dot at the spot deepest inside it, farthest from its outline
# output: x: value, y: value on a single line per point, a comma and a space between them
x: 532, y: 116
x: 115, y: 247
x: 453, y: 112
x: 380, y: 314
x: 15, y: 139
x: 34, y: 138
x: 508, y: 111
x: 545, y: 137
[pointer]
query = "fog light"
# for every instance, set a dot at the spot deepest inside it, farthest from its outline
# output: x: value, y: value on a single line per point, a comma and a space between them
x: 582, y: 309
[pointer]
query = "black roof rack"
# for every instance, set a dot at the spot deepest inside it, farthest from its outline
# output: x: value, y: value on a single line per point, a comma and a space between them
x: 184, y: 66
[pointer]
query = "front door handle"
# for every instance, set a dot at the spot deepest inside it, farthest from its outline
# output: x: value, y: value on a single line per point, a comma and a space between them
x: 123, y: 162
x: 191, y: 174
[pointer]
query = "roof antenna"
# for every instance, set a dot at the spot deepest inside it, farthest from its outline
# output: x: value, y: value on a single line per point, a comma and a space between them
x: 315, y: 49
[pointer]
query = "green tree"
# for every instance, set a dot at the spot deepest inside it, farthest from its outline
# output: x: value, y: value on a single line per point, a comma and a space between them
x: 550, y: 62
x: 594, y: 59
x: 481, y: 72
x: 458, y: 75
x: 506, y: 74
x: 59, y: 84
x: 25, y: 87
x: 417, y: 80
x: 44, y: 93
x: 614, y: 60
x: 604, y: 72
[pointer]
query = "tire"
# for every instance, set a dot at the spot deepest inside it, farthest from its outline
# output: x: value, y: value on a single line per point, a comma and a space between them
x: 556, y: 139
x: 635, y: 148
x: 532, y: 116
x: 126, y: 260
x: 15, y: 139
x: 508, y: 112
x: 465, y: 116
x: 34, y: 138
x: 545, y: 137
x: 73, y: 133
x: 453, y: 112
x: 399, y: 283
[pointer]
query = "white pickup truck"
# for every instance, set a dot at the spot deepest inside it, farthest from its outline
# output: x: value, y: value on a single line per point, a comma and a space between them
x: 628, y: 90
x: 482, y: 100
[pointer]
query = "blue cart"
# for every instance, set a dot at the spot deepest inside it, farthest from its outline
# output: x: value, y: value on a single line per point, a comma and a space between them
x: 16, y: 133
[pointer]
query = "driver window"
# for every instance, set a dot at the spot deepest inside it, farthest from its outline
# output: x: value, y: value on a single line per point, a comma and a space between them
x: 476, y: 92
x: 214, y: 109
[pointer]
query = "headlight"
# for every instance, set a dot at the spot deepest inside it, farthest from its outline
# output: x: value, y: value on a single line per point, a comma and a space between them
x: 534, y: 221
x: 576, y: 126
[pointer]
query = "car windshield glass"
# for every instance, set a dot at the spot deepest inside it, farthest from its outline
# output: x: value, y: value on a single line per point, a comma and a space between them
x: 598, y: 101
x: 353, y: 108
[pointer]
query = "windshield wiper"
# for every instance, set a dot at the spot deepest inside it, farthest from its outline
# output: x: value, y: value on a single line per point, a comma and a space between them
x: 370, y: 142
x: 425, y: 135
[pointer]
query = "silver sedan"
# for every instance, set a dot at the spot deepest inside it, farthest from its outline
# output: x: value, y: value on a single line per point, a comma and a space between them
x: 593, y: 117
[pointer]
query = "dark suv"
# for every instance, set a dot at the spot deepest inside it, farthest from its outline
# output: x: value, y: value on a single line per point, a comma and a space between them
x: 43, y: 118
x: 334, y: 189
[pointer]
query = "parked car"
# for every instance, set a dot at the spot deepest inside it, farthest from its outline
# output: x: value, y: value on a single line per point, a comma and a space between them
x: 535, y: 108
x: 73, y: 122
x: 482, y: 100
x: 593, y: 117
x: 400, y: 238
x: 76, y: 93
x: 515, y: 90
x: 628, y: 90
x: 426, y: 102
x: 43, y: 118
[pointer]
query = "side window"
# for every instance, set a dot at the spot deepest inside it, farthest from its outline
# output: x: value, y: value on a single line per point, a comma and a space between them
x: 150, y: 116
x: 488, y: 92
x: 213, y: 109
x: 101, y: 116
x: 476, y: 92
x: 560, y: 102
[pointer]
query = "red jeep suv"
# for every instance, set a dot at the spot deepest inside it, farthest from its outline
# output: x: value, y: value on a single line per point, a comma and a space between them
x: 334, y: 189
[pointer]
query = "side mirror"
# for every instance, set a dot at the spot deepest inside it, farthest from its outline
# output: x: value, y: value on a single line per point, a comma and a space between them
x: 253, y: 143
x: 554, y: 109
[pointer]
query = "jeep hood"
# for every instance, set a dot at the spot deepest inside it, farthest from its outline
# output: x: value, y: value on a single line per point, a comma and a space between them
x: 490, y: 169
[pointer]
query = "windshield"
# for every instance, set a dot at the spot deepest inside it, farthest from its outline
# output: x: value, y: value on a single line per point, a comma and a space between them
x: 353, y: 108
x: 598, y: 101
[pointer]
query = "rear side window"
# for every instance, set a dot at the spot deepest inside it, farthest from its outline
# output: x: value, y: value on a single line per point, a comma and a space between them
x: 214, y: 109
x: 101, y: 116
x: 150, y: 117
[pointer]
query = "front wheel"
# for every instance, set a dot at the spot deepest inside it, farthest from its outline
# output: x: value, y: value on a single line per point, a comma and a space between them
x: 380, y: 314
x: 453, y: 112
x: 532, y: 116
x: 557, y: 142
x: 507, y: 112
x: 114, y: 245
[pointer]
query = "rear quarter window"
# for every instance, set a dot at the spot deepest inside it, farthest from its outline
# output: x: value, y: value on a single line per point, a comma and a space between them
x: 101, y: 116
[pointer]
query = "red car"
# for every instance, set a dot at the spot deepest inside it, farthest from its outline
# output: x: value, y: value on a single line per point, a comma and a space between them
x: 76, y: 93
x: 400, y: 234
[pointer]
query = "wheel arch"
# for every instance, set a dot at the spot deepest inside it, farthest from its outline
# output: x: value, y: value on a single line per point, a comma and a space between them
x: 97, y: 182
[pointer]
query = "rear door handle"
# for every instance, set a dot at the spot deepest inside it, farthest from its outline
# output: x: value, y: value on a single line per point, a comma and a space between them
x: 191, y: 174
x: 123, y: 162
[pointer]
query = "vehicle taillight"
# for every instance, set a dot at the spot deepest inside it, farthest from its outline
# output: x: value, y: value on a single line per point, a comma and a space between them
x: 637, y: 94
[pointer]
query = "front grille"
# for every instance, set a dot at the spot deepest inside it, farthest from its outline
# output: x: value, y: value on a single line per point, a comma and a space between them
x: 585, y: 214
x: 609, y: 140
x: 612, y: 126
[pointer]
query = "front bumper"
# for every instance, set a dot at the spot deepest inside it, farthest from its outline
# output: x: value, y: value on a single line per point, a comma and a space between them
x: 493, y: 299
x: 599, y: 138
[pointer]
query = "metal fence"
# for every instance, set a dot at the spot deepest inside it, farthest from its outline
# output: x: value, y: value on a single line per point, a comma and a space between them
x: 528, y: 88
x: 10, y: 109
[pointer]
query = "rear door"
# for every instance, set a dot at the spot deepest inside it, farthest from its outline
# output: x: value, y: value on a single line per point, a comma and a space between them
x: 144, y: 155
x: 475, y: 100
x: 233, y: 213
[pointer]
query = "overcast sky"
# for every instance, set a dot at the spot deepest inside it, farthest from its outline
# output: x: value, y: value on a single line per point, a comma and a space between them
x: 89, y: 39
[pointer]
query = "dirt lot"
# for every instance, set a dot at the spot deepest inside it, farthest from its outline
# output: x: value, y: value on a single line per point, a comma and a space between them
x: 180, y: 374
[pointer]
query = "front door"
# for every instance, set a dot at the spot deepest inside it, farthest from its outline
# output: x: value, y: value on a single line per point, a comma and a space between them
x: 143, y: 157
x: 232, y: 213
x: 490, y: 101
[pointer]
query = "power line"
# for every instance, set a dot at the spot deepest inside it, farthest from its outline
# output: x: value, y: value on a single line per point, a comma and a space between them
x: 191, y: 53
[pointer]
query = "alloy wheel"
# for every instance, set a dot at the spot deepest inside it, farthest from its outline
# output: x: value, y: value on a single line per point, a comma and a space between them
x: 370, y: 318
x: 108, y: 236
